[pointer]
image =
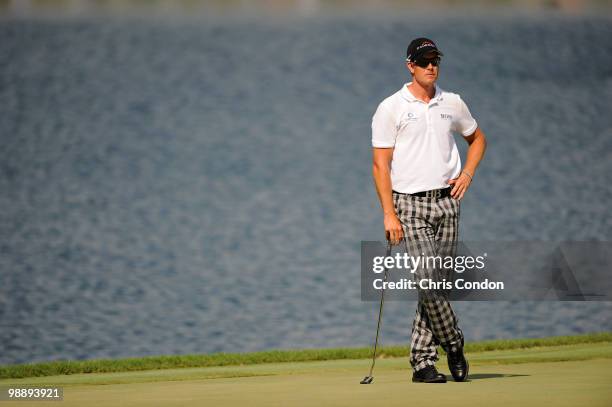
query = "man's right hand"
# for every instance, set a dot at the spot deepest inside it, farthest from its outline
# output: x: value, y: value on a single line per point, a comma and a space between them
x: 393, y: 228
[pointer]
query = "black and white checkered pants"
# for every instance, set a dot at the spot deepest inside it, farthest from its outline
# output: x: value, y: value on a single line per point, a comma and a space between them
x: 430, y: 229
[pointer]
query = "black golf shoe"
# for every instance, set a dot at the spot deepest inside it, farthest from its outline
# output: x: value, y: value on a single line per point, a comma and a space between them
x: 458, y: 365
x: 428, y: 374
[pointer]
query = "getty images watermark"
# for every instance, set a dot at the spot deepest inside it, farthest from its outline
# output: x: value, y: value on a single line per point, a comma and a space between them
x: 412, y: 264
x: 477, y: 271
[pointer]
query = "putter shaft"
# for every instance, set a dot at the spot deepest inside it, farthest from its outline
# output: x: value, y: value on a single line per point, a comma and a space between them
x: 368, y: 379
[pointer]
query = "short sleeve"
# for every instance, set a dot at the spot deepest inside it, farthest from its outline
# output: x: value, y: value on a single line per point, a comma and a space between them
x: 384, y: 130
x: 465, y: 124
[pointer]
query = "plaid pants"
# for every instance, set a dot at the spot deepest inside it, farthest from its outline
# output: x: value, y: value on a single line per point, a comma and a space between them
x: 430, y: 229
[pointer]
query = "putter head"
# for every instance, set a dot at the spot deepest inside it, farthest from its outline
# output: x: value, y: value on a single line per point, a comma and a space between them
x: 367, y: 380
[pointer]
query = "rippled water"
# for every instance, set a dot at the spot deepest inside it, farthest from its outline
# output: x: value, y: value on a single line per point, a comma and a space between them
x: 203, y: 186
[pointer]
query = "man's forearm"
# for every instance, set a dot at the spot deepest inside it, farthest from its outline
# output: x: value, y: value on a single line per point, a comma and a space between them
x: 382, y: 180
x: 475, y: 152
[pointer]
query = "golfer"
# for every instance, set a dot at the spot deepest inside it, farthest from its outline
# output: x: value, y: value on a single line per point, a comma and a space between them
x: 420, y: 182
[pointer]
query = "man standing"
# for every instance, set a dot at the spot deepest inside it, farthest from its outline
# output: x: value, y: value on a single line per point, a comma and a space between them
x: 419, y: 180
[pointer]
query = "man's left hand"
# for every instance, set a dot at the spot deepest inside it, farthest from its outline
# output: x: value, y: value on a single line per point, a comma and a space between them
x: 460, y: 185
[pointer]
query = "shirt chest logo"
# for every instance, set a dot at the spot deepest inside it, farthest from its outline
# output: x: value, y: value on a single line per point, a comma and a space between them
x: 409, y: 117
x: 446, y: 116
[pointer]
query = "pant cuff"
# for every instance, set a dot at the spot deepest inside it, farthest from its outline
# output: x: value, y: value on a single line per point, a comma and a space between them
x: 423, y: 364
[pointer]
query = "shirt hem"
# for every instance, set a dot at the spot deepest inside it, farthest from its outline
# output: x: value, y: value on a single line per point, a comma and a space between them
x: 382, y: 145
x: 470, y: 131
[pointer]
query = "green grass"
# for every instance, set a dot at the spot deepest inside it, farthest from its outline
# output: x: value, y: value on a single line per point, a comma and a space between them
x: 564, y: 376
x: 550, y: 354
x: 65, y: 367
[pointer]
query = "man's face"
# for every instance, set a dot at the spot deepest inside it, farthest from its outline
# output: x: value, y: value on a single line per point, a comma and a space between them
x: 425, y: 69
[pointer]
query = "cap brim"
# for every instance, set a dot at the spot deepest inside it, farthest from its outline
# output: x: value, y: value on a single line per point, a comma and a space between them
x: 432, y: 53
x: 428, y: 53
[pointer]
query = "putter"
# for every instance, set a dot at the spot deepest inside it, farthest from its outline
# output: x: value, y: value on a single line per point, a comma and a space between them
x: 369, y: 378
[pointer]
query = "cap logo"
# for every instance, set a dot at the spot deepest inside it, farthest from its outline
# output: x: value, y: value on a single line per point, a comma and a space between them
x: 425, y: 44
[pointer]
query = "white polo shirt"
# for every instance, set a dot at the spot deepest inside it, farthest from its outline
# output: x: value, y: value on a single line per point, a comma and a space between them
x: 425, y: 155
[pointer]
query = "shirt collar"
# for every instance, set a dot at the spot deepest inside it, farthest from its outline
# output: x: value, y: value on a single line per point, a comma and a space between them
x: 406, y: 94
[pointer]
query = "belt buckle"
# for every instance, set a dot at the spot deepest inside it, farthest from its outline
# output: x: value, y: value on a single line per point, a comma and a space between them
x: 434, y: 193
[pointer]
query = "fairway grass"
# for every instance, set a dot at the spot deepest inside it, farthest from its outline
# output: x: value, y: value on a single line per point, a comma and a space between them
x: 67, y: 367
x: 567, y: 375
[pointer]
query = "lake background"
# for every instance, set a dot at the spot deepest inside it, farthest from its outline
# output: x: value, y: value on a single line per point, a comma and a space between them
x: 195, y: 184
